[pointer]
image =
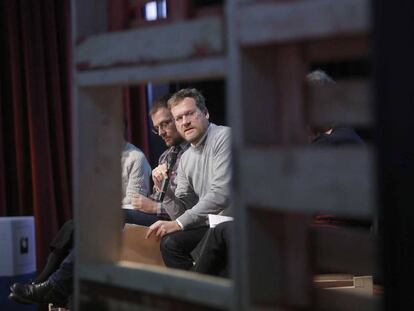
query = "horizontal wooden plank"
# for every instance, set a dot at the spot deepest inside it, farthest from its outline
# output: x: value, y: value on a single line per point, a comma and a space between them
x: 308, y: 179
x: 205, y: 68
x: 278, y: 22
x: 188, y: 286
x: 333, y: 276
x: 345, y: 251
x: 357, y: 285
x: 101, y: 296
x: 345, y: 103
x: 338, y: 48
x: 149, y: 45
x: 334, y: 283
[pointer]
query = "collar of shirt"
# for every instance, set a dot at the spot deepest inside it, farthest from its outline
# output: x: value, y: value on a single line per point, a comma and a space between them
x: 184, y: 145
x: 201, y: 141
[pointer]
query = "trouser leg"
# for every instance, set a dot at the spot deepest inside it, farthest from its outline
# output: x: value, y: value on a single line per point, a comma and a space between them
x: 176, y: 247
x: 139, y: 218
x: 60, y: 248
x: 62, y: 278
x: 211, y: 254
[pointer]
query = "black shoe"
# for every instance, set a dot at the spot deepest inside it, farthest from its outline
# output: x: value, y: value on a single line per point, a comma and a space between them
x: 37, y: 293
x: 15, y: 298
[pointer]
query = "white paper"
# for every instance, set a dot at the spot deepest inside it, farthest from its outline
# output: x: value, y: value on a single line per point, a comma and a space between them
x: 127, y: 206
x: 214, y: 220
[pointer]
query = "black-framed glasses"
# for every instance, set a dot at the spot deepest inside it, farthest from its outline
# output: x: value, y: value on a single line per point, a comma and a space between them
x: 162, y: 126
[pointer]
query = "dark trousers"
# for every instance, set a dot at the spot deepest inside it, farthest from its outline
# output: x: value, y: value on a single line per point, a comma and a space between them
x: 211, y: 254
x: 63, y: 240
x: 176, y: 247
x: 62, y: 278
x: 139, y: 218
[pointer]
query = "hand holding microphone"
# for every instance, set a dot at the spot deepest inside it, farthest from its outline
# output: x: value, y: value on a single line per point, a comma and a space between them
x: 170, y: 165
x: 158, y: 175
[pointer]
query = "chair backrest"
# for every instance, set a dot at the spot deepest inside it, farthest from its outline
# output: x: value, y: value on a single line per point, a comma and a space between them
x: 138, y: 249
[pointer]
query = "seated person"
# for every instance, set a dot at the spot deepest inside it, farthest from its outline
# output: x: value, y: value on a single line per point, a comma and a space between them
x: 203, y: 179
x: 135, y: 179
x: 332, y: 136
x: 136, y: 173
x: 145, y: 211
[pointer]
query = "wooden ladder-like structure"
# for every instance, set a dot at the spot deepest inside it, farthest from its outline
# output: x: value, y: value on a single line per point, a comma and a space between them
x: 262, y: 49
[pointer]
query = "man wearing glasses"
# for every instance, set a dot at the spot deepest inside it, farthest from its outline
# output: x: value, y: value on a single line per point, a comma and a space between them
x: 203, y: 179
x: 148, y: 210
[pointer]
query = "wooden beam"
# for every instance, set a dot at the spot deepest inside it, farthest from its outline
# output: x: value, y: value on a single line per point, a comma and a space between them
x: 149, y: 45
x: 177, y: 284
x: 309, y: 179
x: 271, y: 90
x: 279, y: 272
x: 98, y: 144
x: 337, y: 48
x: 205, y: 68
x: 281, y: 22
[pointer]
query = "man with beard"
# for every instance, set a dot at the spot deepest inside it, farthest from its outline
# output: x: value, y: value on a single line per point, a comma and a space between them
x: 203, y: 179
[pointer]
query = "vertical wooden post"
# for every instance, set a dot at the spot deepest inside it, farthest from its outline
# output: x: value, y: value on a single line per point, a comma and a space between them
x: 394, y: 68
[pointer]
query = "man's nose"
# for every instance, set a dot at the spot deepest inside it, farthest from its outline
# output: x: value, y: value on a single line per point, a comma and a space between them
x: 186, y: 120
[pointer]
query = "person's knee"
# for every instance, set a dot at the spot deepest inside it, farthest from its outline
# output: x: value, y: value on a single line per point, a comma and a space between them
x: 168, y: 244
x: 222, y: 231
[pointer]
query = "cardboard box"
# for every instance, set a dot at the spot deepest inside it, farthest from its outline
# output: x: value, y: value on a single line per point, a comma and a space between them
x: 17, y: 246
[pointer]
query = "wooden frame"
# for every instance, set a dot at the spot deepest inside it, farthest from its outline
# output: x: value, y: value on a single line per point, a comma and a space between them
x: 263, y: 56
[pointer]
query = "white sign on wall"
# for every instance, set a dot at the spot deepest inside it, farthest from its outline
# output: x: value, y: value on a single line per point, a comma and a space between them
x: 17, y: 245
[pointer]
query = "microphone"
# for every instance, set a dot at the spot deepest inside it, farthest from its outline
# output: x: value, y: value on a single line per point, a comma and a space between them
x: 170, y: 164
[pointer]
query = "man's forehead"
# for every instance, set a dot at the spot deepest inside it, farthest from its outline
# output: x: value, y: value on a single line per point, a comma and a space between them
x: 161, y: 115
x: 187, y: 103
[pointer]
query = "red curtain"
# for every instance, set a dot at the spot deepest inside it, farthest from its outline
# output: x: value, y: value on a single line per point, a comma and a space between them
x: 35, y: 112
x: 35, y: 149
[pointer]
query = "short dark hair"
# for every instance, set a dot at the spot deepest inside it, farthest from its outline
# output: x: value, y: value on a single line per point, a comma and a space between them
x: 160, y: 102
x: 191, y: 93
x: 319, y: 77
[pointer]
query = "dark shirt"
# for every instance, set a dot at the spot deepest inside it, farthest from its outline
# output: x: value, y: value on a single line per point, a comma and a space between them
x: 342, y: 136
x: 167, y: 207
x: 338, y: 137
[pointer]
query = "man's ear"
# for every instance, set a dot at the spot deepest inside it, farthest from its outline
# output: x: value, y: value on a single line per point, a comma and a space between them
x: 207, y: 114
